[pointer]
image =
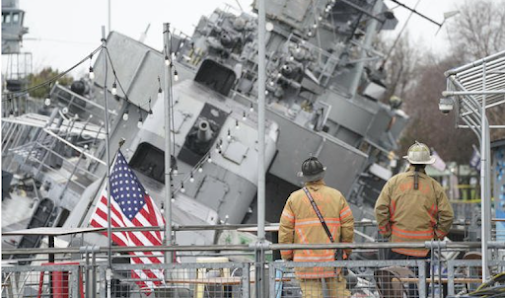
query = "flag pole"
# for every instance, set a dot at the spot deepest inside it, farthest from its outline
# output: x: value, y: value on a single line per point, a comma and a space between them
x: 168, y: 154
x: 107, y: 156
x: 107, y: 146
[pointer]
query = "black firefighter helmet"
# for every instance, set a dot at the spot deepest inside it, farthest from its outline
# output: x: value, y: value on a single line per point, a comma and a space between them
x: 312, y: 170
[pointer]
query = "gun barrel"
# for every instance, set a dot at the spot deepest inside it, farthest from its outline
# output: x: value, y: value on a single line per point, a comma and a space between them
x: 204, y: 133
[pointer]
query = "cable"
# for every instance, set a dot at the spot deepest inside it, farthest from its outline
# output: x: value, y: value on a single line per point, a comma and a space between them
x: 497, y: 278
x: 115, y: 76
x: 488, y: 290
x: 119, y: 82
x: 53, y: 79
x: 58, y: 40
x: 398, y: 37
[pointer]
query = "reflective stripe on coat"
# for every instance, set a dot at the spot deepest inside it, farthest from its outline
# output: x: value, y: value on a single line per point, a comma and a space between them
x: 299, y: 224
x: 409, y: 215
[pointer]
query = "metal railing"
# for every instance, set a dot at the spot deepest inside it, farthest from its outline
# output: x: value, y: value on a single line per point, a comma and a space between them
x: 440, y: 275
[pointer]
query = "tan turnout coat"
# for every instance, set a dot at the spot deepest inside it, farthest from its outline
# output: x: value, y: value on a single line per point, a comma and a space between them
x: 409, y: 215
x: 299, y: 224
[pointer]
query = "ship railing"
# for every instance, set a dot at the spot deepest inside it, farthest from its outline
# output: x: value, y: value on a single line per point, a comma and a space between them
x: 20, y: 104
x: 73, y: 166
x: 67, y: 163
x: 17, y: 141
x: 200, y: 275
x: 77, y: 104
x: 42, y: 158
x: 39, y: 154
x: 12, y: 134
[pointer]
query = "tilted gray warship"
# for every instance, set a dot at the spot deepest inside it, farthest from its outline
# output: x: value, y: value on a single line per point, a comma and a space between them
x: 324, y: 98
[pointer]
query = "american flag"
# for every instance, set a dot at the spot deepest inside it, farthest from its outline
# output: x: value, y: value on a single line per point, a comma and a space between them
x: 132, y: 207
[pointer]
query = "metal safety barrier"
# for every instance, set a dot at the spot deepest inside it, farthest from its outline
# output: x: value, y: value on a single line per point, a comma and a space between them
x: 47, y: 280
x: 368, y: 278
x: 235, y: 275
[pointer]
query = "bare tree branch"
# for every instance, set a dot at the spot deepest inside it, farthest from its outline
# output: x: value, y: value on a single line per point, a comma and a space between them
x: 478, y: 30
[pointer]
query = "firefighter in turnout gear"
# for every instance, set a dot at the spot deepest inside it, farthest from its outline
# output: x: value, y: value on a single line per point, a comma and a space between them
x: 413, y: 207
x: 300, y: 224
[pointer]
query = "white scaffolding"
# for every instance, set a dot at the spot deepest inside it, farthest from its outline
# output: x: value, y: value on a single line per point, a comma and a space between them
x: 474, y: 88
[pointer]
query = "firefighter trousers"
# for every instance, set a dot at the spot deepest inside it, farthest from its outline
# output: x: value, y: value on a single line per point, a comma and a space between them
x: 329, y: 287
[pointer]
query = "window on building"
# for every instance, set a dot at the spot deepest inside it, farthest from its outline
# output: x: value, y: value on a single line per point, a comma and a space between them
x: 15, y: 18
x: 6, y: 18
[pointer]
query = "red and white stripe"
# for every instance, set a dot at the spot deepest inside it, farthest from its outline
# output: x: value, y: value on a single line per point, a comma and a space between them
x: 148, y: 216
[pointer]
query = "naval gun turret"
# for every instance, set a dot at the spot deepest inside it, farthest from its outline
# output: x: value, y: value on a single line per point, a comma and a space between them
x: 202, y: 135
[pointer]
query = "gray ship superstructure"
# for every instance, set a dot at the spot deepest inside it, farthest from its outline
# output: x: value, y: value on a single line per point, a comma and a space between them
x: 321, y: 92
x: 323, y: 99
x: 12, y: 27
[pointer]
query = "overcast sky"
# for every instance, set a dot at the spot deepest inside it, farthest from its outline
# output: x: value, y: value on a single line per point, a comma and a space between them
x: 62, y: 32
